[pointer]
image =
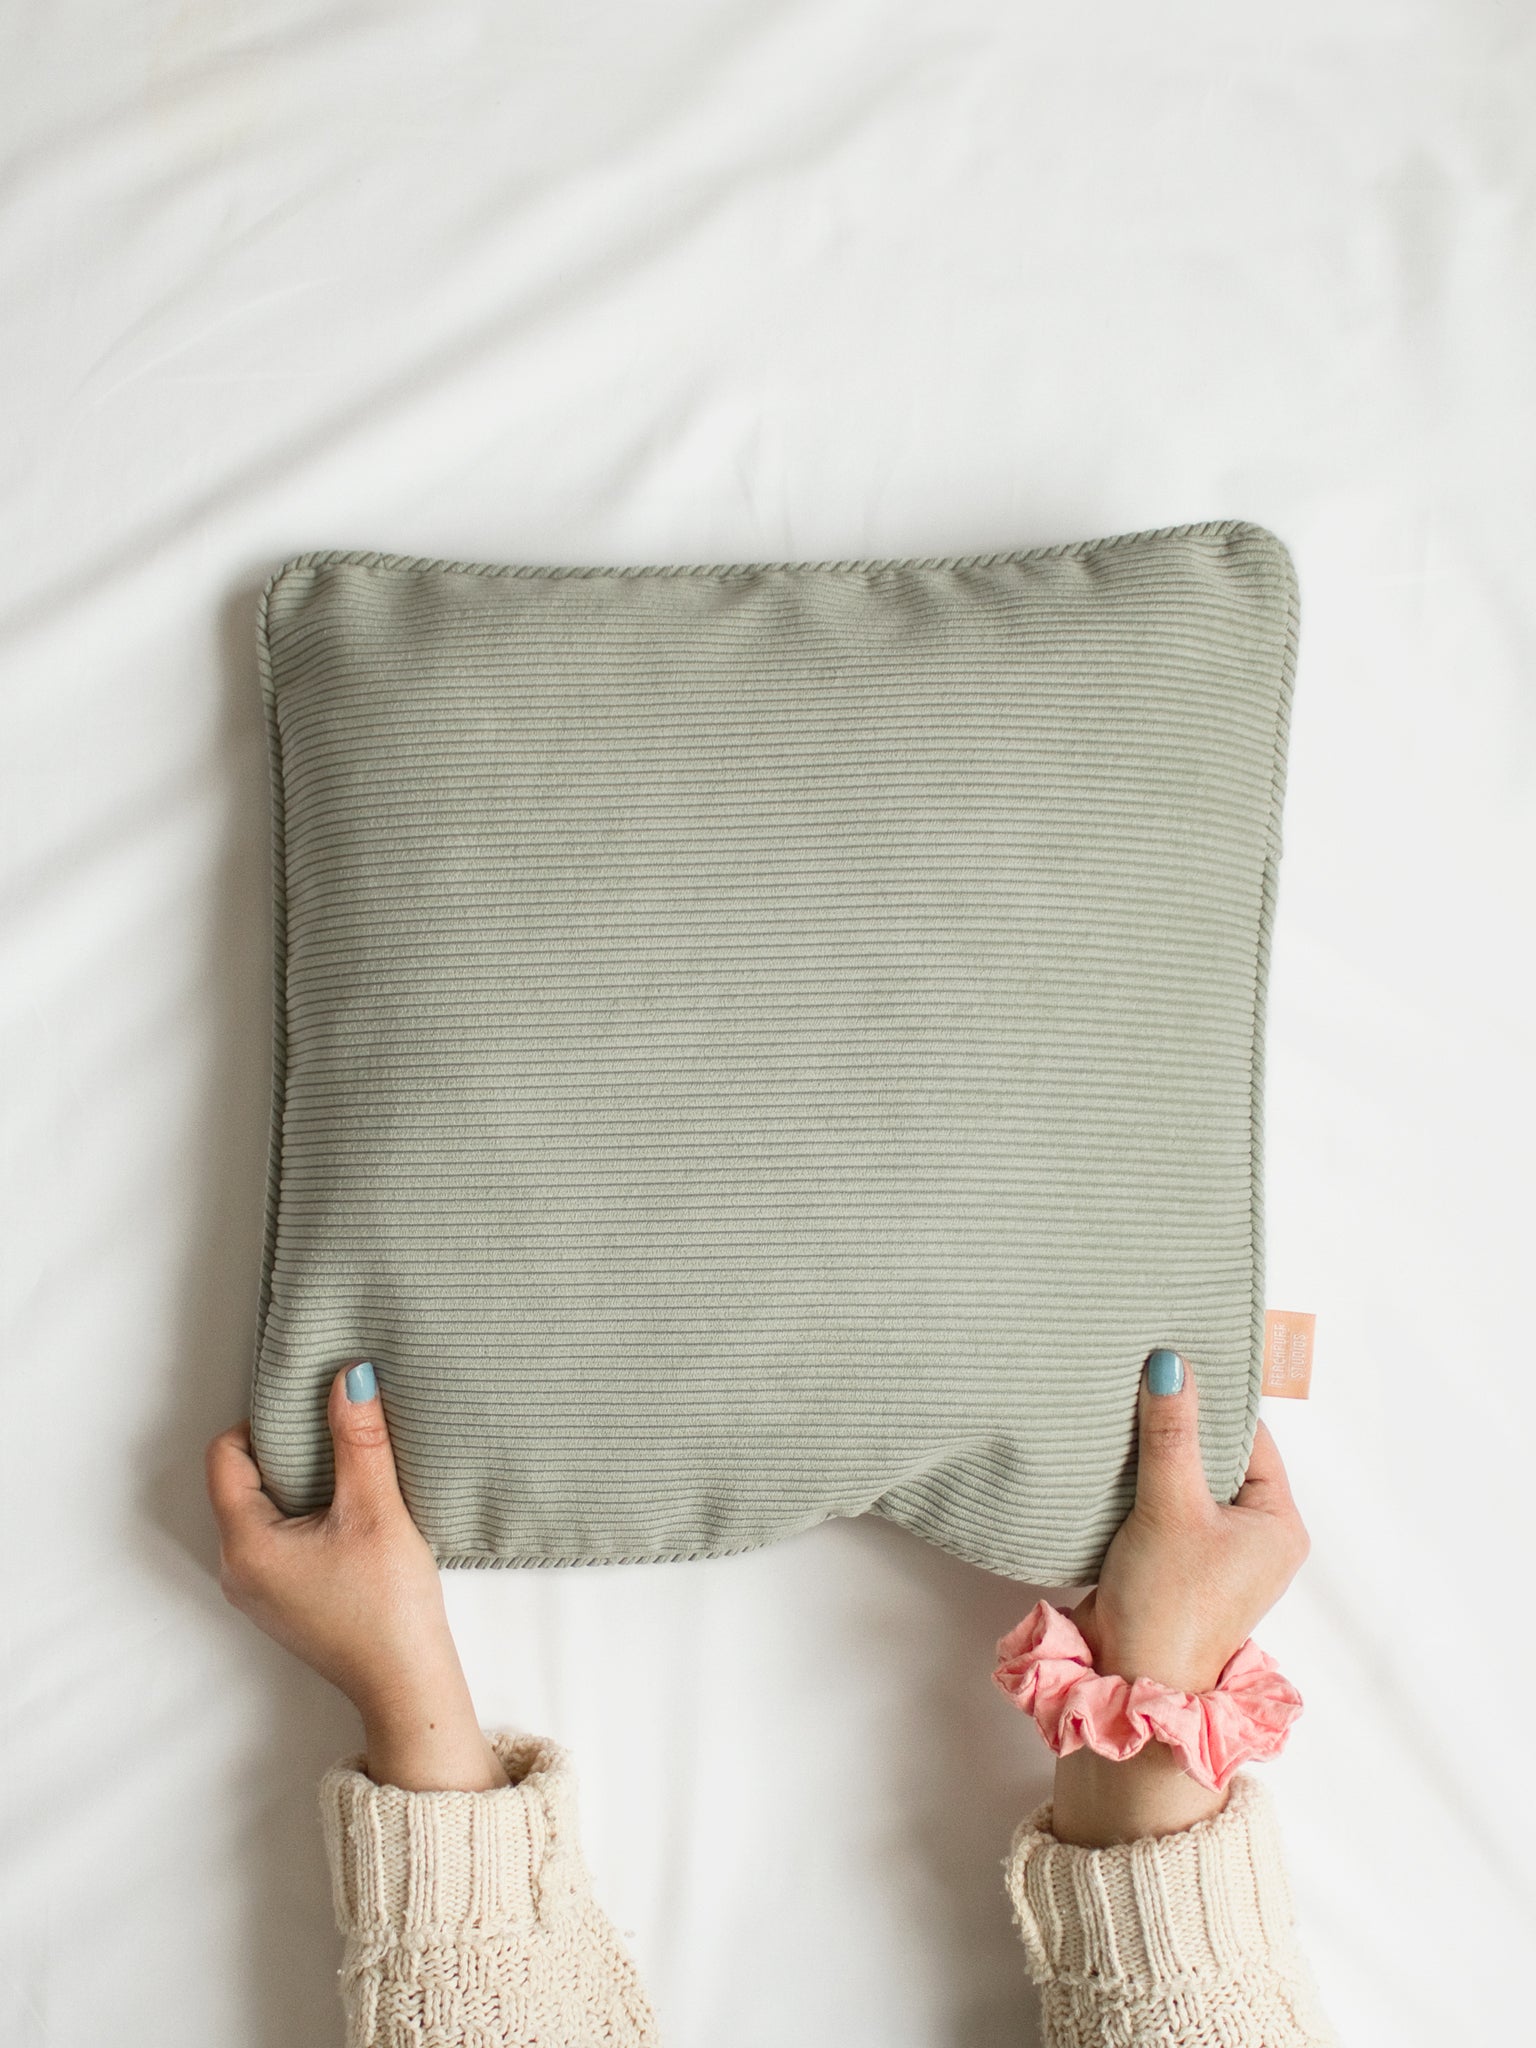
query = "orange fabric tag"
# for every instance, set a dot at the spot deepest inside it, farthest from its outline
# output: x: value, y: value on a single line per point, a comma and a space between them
x: 1288, y: 1335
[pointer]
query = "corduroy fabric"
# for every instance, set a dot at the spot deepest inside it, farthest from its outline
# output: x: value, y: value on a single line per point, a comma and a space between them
x: 758, y: 1042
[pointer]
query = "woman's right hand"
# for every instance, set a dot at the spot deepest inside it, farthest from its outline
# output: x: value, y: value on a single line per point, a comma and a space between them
x: 353, y: 1589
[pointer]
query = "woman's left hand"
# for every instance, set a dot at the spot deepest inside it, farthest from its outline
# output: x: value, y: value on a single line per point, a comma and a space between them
x: 354, y: 1591
x: 1183, y: 1582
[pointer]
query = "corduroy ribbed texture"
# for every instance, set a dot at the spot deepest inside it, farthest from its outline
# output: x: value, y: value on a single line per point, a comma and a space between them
x: 760, y: 1042
x: 1186, y: 1938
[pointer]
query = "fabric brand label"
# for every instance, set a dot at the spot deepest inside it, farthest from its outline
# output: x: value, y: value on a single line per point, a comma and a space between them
x: 1288, y: 1340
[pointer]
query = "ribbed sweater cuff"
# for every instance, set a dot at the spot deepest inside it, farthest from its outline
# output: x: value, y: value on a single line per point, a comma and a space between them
x: 1212, y: 1900
x: 406, y: 1865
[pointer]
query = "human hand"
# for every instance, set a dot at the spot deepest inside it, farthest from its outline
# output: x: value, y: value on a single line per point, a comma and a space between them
x: 353, y: 1590
x: 1183, y: 1584
x: 1186, y: 1580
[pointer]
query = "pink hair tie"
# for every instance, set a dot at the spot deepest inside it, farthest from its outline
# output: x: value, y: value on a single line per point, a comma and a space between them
x: 1046, y: 1668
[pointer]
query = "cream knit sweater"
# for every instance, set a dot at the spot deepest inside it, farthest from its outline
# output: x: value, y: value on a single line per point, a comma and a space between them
x: 470, y: 1923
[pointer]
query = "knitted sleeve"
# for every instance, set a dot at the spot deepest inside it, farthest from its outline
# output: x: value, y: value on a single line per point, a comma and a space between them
x: 1178, y: 1940
x: 469, y: 1917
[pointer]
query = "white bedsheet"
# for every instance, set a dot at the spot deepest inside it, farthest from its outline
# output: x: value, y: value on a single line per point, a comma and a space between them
x: 745, y: 279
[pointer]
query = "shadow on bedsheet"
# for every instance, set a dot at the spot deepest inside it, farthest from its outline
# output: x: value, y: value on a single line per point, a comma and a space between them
x: 963, y: 1770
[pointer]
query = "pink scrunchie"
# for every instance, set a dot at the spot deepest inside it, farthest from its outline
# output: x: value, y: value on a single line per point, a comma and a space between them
x: 1046, y: 1668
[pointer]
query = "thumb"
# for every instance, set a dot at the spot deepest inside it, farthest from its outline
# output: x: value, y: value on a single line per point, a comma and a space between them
x: 365, y: 1463
x: 1170, y: 1478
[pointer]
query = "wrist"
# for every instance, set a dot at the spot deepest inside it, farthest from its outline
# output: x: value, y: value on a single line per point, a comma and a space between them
x: 1181, y: 1669
x: 425, y: 1682
x: 433, y: 1756
x: 1183, y: 1662
x: 423, y: 1735
x: 1097, y: 1802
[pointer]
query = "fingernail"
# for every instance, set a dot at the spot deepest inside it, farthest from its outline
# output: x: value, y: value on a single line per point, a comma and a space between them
x: 362, y: 1382
x: 1165, y: 1372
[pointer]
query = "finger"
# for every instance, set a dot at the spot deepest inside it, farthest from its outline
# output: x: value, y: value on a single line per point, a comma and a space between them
x: 1265, y: 1484
x: 234, y: 1483
x: 365, y: 1462
x: 1170, y: 1478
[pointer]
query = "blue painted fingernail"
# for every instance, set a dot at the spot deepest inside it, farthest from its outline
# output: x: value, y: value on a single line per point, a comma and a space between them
x: 1165, y: 1372
x: 362, y: 1382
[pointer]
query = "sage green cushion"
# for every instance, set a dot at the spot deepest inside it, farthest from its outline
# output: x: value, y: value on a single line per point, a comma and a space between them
x: 757, y: 1043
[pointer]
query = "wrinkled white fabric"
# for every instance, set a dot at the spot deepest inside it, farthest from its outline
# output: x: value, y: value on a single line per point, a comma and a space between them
x: 732, y: 280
